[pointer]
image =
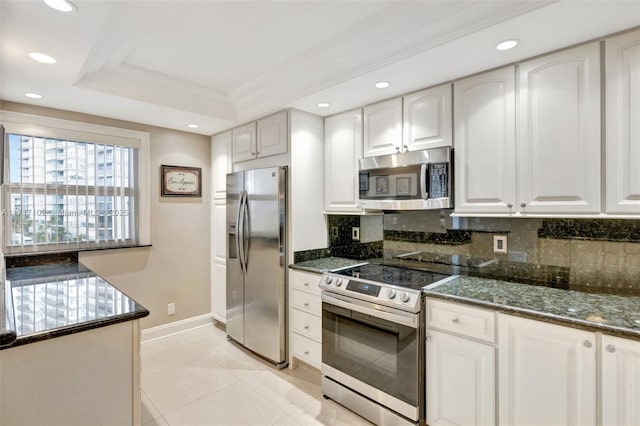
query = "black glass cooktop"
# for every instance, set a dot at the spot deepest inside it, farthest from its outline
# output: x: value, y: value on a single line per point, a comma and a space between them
x: 402, y: 277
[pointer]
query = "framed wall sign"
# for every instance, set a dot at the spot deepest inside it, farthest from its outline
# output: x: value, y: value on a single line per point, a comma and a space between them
x: 180, y: 181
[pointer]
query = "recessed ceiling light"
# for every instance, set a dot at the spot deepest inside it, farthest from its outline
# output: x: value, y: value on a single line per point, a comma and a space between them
x: 33, y: 95
x: 382, y: 84
x: 507, y: 44
x: 324, y: 104
x: 192, y: 126
x: 61, y: 5
x: 41, y: 57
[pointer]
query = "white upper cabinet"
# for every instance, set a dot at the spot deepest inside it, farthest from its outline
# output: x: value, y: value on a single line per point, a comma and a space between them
x: 547, y: 374
x: 383, y: 128
x: 485, y: 144
x: 268, y: 136
x: 559, y: 132
x: 220, y: 159
x: 272, y: 135
x: 343, y: 150
x: 620, y: 378
x: 427, y: 119
x: 244, y: 142
x: 623, y: 124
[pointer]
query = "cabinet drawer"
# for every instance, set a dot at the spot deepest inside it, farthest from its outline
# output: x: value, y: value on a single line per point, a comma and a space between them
x: 305, y: 281
x: 307, y: 350
x: 307, y: 302
x: 308, y: 325
x: 464, y: 320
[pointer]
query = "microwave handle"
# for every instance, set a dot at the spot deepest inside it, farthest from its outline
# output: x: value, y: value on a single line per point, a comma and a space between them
x: 423, y: 180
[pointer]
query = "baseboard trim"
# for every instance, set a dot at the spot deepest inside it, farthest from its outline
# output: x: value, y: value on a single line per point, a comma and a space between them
x: 166, y: 330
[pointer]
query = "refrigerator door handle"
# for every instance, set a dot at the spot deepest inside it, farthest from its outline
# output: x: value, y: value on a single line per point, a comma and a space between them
x: 245, y: 232
x: 239, y: 232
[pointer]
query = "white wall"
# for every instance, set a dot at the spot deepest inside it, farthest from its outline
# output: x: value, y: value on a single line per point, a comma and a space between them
x: 176, y: 269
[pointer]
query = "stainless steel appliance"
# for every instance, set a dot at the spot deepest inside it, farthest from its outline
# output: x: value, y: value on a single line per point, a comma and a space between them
x: 414, y: 180
x: 256, y: 251
x: 373, y: 341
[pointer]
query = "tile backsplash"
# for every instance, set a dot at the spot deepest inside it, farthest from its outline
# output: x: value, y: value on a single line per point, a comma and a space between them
x: 602, y: 253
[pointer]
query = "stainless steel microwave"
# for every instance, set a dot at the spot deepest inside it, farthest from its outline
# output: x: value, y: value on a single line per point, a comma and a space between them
x: 415, y: 180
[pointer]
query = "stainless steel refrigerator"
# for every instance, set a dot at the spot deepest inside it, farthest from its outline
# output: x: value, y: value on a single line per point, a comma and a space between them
x: 256, y: 259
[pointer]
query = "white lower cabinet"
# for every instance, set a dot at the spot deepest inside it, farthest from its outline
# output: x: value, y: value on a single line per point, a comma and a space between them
x: 461, y: 370
x: 306, y: 317
x: 547, y: 373
x: 620, y: 380
x: 460, y: 381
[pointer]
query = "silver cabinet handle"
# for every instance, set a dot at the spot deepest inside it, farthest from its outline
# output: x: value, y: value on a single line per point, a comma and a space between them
x: 456, y: 320
x: 253, y: 153
x: 587, y: 344
x: 510, y: 205
x: 397, y: 149
x: 306, y: 353
x: 306, y: 327
x: 610, y: 348
x: 306, y: 305
x: 306, y: 284
x: 523, y: 205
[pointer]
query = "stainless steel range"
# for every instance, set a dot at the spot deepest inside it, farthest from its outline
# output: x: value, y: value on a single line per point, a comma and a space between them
x: 373, y: 341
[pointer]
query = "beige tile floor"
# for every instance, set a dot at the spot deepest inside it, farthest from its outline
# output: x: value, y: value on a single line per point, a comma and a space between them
x: 199, y: 378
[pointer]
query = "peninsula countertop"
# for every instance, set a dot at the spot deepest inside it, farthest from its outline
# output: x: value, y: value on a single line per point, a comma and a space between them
x: 52, y: 300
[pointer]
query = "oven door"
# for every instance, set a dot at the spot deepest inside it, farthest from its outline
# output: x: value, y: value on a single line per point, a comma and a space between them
x: 374, y: 351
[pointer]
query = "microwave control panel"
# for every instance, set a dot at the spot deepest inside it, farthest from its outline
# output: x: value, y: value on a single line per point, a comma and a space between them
x: 438, y: 180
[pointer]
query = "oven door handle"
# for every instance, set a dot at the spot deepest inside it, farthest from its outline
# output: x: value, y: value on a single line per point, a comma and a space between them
x: 399, y: 317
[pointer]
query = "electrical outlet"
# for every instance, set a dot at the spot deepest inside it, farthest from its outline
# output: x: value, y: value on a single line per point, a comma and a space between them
x: 355, y: 233
x: 499, y: 243
x: 171, y: 308
x: 334, y: 232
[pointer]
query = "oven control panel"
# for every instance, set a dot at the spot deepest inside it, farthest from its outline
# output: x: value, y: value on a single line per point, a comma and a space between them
x: 383, y: 294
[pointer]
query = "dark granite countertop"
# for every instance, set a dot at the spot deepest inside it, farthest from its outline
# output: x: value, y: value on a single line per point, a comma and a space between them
x: 609, y: 313
x: 54, y: 300
x: 326, y: 264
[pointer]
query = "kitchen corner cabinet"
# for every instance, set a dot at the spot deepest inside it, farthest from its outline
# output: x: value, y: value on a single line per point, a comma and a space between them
x: 306, y: 317
x: 220, y: 162
x: 219, y: 264
x: 485, y: 147
x: 547, y: 373
x: 262, y: 138
x: 559, y: 132
x: 620, y: 378
x: 383, y: 128
x: 343, y: 150
x: 460, y: 370
x: 623, y: 131
x: 427, y: 119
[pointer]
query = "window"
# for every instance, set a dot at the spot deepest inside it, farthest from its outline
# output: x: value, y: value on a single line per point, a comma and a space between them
x: 68, y: 189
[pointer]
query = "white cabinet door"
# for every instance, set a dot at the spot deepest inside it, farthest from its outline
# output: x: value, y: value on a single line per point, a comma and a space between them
x: 343, y: 150
x: 559, y: 132
x: 383, y: 128
x: 623, y: 123
x: 460, y: 381
x: 485, y: 143
x: 272, y: 135
x: 219, y: 264
x: 427, y: 118
x: 620, y: 381
x: 220, y: 160
x: 547, y: 374
x: 244, y: 142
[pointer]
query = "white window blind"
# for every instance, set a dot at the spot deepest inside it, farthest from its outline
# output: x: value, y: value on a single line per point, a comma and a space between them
x: 65, y: 193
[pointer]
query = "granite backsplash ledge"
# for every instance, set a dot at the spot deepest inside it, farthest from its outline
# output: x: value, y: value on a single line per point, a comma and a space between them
x: 589, y: 253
